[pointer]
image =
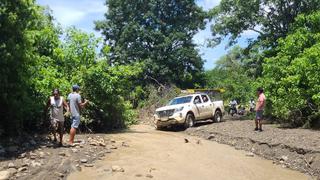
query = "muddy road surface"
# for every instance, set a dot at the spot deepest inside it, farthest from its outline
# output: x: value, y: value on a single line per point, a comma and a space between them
x: 150, y: 154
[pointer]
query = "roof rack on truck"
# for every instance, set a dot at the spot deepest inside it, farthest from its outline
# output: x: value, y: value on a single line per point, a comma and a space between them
x: 214, y: 94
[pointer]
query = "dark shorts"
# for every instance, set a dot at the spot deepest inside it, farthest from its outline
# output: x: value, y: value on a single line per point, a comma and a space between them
x: 57, y: 126
x: 259, y: 114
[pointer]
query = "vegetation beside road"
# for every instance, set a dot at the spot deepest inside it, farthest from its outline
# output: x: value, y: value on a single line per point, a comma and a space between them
x: 284, y: 61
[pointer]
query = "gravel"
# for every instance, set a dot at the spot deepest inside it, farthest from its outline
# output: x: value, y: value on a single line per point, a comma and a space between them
x: 46, y: 160
x: 298, y: 149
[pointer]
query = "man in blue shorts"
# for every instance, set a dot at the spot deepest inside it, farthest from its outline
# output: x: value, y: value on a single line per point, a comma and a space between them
x: 75, y: 105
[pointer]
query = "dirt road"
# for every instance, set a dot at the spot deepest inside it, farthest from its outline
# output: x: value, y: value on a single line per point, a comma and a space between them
x: 166, y: 155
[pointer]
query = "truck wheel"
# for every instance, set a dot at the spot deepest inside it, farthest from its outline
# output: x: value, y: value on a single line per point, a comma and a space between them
x: 189, y: 121
x: 217, y: 116
x: 158, y: 127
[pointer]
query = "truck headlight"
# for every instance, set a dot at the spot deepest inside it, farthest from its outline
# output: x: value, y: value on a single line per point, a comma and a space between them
x: 179, y: 109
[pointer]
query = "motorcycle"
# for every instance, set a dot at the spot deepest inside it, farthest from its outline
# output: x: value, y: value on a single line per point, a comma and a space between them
x: 241, y: 111
x: 233, y: 110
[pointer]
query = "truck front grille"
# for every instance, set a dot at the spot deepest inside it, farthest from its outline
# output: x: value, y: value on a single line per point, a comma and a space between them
x: 166, y: 113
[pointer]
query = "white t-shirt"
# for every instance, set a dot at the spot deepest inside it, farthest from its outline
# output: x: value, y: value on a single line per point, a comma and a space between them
x: 56, y: 108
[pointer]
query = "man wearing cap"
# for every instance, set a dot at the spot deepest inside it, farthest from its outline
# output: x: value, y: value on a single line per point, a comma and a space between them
x: 75, y: 105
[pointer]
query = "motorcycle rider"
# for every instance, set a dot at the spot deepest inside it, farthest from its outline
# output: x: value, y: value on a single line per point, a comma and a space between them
x: 252, y: 105
x: 233, y: 107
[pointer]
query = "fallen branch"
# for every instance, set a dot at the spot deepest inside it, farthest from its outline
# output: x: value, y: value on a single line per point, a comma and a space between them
x: 161, y: 85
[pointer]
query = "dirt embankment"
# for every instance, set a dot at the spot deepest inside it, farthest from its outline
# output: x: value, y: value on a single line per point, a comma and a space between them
x: 298, y: 149
x: 40, y: 158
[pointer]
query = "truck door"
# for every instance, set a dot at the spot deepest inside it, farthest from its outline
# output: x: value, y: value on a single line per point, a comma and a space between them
x: 208, y: 106
x: 199, y: 108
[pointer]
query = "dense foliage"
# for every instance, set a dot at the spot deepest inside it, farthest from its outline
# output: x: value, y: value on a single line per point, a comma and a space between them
x: 35, y: 59
x: 292, y: 77
x: 159, y: 33
x: 20, y: 22
x: 270, y: 19
x: 284, y: 58
x: 109, y: 88
x: 230, y: 75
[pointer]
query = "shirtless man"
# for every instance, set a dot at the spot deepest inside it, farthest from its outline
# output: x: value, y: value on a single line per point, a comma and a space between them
x: 259, y: 109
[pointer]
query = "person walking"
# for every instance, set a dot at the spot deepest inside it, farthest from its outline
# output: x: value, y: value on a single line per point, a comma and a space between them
x: 56, y: 104
x: 75, y: 105
x: 252, y: 105
x: 259, y: 109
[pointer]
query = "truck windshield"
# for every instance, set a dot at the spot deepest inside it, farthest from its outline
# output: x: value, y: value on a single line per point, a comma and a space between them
x: 180, y: 100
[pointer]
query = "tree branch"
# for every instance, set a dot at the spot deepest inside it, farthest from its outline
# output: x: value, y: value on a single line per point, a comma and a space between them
x: 161, y: 85
x: 257, y: 31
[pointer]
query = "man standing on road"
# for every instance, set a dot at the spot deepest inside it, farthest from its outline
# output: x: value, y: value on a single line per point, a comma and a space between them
x: 56, y: 104
x: 259, y: 109
x: 75, y: 104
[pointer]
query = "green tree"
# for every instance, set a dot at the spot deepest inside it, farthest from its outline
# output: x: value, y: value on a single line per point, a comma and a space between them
x: 271, y: 19
x: 292, y: 77
x: 20, y: 21
x: 108, y: 87
x: 77, y: 53
x: 34, y: 59
x: 58, y: 64
x: 43, y: 75
x: 230, y: 75
x: 158, y: 33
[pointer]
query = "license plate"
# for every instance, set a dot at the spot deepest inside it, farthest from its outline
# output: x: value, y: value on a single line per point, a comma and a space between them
x: 164, y: 118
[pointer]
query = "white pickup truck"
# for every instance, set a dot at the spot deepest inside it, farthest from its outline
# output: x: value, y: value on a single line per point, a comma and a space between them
x: 187, y: 110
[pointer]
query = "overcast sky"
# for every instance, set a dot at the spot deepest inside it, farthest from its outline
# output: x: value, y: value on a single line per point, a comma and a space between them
x: 82, y: 14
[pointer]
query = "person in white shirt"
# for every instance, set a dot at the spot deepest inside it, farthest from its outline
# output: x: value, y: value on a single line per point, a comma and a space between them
x: 56, y: 104
x: 252, y: 105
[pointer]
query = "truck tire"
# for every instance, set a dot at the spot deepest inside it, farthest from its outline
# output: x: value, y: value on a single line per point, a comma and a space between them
x: 158, y: 127
x: 217, y: 116
x: 189, y: 122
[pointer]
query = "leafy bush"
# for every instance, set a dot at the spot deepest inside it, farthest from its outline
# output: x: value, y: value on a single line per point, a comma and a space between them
x: 230, y: 75
x: 106, y: 86
x: 34, y: 60
x: 292, y: 78
x: 21, y: 24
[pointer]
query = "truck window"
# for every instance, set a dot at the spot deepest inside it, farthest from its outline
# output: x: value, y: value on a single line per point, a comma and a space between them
x: 180, y: 100
x: 205, y: 98
x: 197, y: 100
